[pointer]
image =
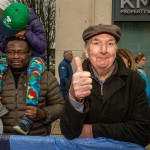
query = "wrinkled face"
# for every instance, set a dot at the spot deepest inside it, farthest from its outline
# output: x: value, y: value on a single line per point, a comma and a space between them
x: 17, y: 54
x: 142, y: 62
x: 101, y: 51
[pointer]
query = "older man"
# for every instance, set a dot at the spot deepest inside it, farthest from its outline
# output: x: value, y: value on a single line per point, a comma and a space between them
x: 14, y: 88
x: 105, y: 98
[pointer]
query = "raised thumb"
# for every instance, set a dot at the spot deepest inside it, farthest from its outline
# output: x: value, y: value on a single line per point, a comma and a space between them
x: 78, y: 63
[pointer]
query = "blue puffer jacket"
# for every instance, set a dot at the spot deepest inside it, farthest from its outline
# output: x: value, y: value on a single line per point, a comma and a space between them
x: 35, y: 34
x: 65, y: 74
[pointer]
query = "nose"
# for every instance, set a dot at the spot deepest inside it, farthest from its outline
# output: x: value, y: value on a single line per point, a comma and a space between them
x: 16, y: 55
x: 103, y: 48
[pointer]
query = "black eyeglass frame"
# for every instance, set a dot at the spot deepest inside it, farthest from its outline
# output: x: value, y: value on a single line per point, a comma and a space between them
x: 19, y: 53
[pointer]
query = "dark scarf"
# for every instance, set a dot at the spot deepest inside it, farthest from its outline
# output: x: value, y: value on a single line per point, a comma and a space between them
x: 17, y: 73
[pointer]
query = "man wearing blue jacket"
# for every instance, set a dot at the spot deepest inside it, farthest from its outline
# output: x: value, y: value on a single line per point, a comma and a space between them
x: 65, y: 71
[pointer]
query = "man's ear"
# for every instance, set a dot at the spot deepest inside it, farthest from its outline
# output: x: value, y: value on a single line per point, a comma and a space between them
x: 86, y: 53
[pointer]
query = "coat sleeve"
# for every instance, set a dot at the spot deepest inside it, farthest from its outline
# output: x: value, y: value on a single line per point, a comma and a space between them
x: 71, y: 121
x: 63, y: 73
x: 54, y: 101
x: 36, y: 36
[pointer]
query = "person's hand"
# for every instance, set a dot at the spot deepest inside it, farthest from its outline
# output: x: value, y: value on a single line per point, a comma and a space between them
x: 86, y: 131
x: 35, y: 113
x: 21, y: 34
x: 81, y: 82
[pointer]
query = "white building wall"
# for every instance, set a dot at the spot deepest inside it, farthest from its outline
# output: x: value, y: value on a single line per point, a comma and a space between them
x: 72, y: 17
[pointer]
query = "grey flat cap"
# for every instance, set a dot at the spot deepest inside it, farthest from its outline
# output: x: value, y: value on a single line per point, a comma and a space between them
x: 91, y: 31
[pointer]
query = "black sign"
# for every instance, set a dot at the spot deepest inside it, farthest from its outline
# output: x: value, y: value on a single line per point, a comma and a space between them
x: 131, y: 10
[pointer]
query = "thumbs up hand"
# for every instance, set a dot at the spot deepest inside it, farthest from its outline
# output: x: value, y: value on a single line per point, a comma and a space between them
x: 81, y: 82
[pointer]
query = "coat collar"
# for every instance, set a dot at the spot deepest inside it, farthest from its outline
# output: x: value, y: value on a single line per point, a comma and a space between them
x: 66, y: 60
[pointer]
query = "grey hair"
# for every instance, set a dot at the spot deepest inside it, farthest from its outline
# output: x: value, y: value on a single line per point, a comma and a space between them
x: 66, y: 52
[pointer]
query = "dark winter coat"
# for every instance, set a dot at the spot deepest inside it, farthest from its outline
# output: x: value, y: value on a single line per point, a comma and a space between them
x: 13, y: 99
x: 36, y: 36
x: 122, y: 112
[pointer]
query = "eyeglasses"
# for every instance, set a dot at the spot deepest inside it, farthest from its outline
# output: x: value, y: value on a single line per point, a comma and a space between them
x: 144, y: 60
x: 19, y: 53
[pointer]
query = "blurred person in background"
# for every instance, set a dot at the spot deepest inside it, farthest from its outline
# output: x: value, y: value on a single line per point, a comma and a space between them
x: 141, y: 61
x: 65, y: 71
x: 127, y: 57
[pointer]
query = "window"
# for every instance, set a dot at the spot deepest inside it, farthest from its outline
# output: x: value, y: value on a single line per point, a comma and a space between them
x: 136, y: 37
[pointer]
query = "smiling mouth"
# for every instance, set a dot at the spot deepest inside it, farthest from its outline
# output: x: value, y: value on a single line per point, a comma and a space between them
x: 16, y: 62
x: 102, y: 59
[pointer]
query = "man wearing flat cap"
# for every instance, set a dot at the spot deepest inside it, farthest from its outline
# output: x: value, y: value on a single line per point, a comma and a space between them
x: 105, y: 99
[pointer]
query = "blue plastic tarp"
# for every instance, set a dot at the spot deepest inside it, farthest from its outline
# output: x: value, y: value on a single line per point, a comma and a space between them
x: 60, y: 143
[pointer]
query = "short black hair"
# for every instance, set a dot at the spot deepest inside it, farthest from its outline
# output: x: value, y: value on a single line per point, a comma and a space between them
x: 13, y: 38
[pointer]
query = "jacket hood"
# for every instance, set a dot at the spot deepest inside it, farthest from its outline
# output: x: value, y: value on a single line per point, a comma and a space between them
x: 32, y: 14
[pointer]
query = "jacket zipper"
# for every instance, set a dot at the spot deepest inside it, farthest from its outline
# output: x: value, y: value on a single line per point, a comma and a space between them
x: 101, y: 89
x: 16, y: 98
